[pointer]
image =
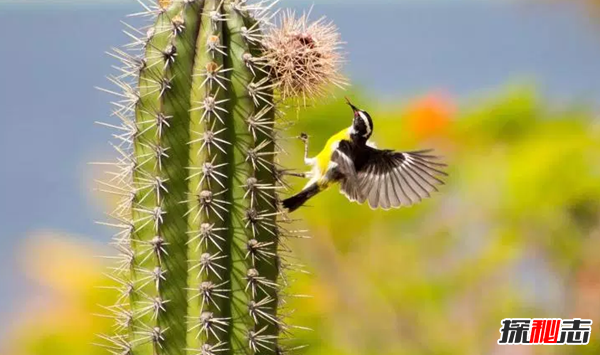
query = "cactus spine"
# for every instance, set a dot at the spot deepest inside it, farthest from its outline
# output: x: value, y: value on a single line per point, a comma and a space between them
x: 198, y: 225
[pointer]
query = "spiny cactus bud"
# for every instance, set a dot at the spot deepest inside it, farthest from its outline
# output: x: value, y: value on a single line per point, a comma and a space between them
x: 304, y: 56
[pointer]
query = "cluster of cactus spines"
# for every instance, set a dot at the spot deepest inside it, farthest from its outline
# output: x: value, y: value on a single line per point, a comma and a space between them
x: 199, y: 227
x: 305, y: 56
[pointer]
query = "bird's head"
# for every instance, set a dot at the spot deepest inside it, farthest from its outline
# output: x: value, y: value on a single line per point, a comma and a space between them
x: 362, y: 124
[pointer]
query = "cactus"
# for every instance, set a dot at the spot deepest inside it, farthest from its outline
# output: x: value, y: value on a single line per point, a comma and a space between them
x: 199, y: 223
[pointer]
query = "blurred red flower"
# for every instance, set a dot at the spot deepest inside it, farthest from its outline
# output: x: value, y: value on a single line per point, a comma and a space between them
x: 429, y: 116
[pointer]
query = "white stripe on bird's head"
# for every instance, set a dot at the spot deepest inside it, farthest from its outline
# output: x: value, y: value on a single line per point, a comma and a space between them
x: 364, y: 116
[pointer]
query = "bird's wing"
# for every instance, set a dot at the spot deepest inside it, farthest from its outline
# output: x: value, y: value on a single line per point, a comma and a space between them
x: 343, y: 157
x: 389, y: 179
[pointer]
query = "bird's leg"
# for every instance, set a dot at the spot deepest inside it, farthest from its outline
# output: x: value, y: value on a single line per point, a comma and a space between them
x: 304, y: 138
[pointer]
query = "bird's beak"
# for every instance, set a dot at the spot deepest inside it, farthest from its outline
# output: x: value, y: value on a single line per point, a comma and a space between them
x: 354, y: 108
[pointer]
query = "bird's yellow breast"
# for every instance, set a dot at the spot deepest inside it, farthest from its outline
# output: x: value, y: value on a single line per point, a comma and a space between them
x: 324, y: 156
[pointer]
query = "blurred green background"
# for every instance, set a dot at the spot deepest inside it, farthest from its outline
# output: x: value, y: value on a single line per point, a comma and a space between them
x: 514, y: 233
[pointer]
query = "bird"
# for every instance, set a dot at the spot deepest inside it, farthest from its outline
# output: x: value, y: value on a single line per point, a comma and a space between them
x: 382, y: 177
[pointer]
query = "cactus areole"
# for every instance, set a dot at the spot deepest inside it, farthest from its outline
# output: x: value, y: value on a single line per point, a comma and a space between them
x: 199, y: 227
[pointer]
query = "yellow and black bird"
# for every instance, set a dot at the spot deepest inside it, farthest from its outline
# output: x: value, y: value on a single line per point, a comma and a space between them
x: 384, y: 178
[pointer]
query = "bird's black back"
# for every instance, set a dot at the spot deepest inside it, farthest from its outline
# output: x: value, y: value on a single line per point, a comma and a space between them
x: 361, y: 154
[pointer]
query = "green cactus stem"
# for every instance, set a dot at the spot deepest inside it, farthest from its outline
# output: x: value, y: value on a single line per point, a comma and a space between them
x: 199, y: 234
x: 199, y: 241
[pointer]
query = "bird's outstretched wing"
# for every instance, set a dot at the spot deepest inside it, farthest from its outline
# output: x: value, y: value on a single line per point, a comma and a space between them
x: 389, y: 179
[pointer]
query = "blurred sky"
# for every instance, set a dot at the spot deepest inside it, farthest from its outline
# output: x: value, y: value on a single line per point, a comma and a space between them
x: 53, y: 56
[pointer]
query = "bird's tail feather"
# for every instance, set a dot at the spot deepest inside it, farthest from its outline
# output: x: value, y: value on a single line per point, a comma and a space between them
x: 294, y: 202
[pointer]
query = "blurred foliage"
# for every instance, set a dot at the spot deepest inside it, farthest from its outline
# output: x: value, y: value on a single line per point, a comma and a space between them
x: 60, y: 317
x: 513, y: 234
